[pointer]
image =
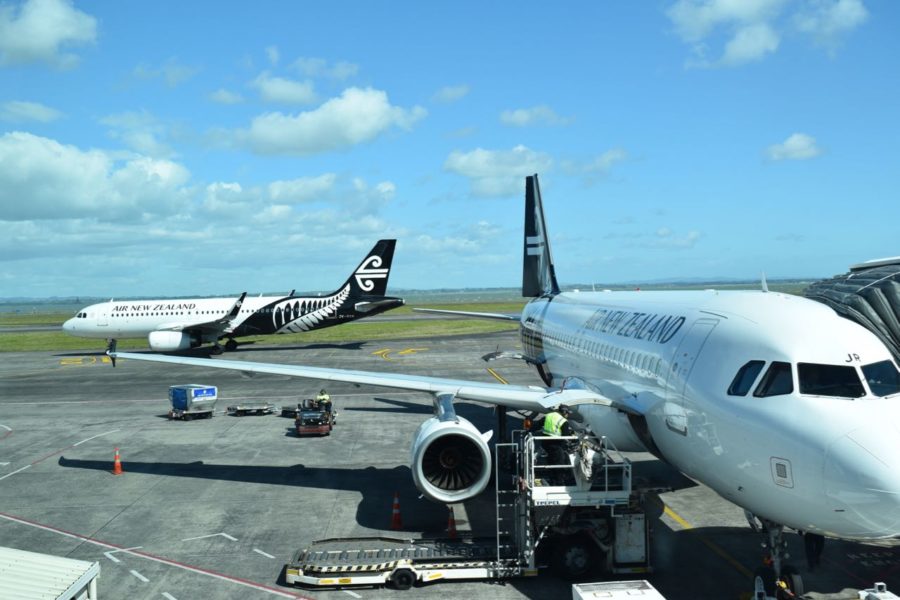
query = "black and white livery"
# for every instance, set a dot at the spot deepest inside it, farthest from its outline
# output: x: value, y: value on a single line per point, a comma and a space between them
x: 172, y: 325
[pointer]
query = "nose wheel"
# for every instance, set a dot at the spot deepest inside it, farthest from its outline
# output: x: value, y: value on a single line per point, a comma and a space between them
x: 776, y: 578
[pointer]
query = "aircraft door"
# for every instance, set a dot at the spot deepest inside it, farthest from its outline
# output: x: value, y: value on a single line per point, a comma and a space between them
x: 679, y: 373
x: 102, y: 317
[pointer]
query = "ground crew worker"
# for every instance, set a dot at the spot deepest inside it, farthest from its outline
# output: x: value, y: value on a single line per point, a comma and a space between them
x: 324, y: 400
x: 556, y: 423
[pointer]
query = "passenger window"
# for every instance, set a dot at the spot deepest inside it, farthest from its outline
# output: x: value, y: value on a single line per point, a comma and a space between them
x: 882, y: 377
x: 745, y: 378
x: 829, y: 380
x: 777, y: 381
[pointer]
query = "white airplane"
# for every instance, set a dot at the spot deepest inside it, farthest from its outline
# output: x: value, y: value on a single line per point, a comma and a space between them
x: 774, y: 401
x: 172, y: 325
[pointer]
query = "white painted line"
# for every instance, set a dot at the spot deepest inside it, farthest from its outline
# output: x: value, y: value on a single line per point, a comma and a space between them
x: 266, y: 554
x: 14, y: 472
x: 110, y: 556
x: 139, y: 576
x: 94, y: 437
x: 168, y: 596
x: 5, y: 427
x: 224, y: 535
x: 354, y: 594
x: 3, y: 464
x: 159, y: 559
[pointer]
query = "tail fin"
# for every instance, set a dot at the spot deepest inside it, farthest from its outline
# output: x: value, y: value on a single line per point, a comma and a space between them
x: 538, y: 273
x: 371, y: 276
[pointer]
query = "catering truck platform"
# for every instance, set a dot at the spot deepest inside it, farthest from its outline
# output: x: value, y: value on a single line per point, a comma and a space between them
x: 564, y: 502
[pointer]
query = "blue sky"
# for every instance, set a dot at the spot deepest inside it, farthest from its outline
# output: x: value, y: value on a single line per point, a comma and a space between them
x: 201, y: 148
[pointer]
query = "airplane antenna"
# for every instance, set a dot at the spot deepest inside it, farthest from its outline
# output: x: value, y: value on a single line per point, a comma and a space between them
x: 765, y: 286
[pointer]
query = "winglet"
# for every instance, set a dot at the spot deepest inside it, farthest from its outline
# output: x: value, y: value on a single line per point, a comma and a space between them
x: 538, y: 272
x: 765, y: 285
x: 236, y: 309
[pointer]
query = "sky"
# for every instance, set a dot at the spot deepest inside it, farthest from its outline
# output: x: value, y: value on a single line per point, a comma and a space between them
x: 214, y: 147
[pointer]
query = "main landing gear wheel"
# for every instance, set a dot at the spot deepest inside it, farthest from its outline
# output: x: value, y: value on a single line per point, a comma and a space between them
x: 231, y: 345
x: 216, y: 350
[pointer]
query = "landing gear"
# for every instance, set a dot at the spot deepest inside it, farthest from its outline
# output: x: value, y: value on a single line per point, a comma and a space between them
x: 231, y: 345
x: 780, y: 580
x: 216, y: 349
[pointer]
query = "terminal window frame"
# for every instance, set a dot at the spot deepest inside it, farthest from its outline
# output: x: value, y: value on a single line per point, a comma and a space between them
x: 876, y: 375
x: 833, y: 381
x: 745, y: 378
x: 773, y: 382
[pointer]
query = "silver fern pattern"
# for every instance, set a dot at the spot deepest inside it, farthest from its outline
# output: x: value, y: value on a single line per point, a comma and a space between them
x: 302, y: 314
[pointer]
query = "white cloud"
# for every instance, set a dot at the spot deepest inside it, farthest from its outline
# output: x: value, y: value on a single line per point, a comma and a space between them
x: 171, y: 72
x: 666, y: 238
x: 284, y: 91
x: 43, y: 179
x: 535, y: 115
x: 140, y: 131
x: 356, y: 116
x: 750, y: 44
x: 753, y: 29
x: 17, y: 111
x: 223, y: 96
x: 827, y: 20
x: 451, y: 93
x: 319, y: 67
x: 37, y: 29
x: 798, y: 146
x: 603, y: 163
x: 497, y: 172
x: 303, y: 189
x: 272, y: 54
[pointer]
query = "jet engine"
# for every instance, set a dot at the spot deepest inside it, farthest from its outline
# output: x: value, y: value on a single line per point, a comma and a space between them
x: 451, y: 461
x: 169, y: 341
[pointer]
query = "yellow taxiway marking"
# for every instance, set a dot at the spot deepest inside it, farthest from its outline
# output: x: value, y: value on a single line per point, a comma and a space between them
x: 497, y: 376
x: 84, y: 361
x: 709, y: 544
x: 385, y: 352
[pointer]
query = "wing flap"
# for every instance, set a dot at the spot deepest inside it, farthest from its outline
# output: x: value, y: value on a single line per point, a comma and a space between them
x: 465, y: 313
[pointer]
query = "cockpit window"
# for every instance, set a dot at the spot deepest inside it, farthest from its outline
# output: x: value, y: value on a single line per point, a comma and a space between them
x: 745, y: 378
x: 829, y: 380
x: 882, y: 377
x: 777, y: 381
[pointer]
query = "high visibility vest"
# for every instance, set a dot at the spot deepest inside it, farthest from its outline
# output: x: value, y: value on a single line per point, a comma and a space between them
x: 553, y: 423
x: 323, y: 398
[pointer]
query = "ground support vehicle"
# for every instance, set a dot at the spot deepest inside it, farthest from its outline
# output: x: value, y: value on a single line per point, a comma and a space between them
x: 879, y: 592
x: 314, y: 418
x: 192, y: 401
x: 616, y: 590
x: 251, y: 407
x: 578, y: 514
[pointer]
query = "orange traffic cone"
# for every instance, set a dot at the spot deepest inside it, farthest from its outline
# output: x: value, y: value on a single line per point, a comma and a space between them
x: 451, y: 525
x: 117, y: 465
x: 396, y: 521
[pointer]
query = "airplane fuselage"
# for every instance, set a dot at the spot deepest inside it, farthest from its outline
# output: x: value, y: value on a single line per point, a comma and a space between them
x: 781, y: 444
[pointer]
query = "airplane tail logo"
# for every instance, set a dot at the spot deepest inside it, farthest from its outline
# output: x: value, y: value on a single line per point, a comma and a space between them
x: 538, y: 272
x: 371, y: 276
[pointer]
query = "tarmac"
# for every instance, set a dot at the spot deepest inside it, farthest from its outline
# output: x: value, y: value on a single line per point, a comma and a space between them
x: 214, y: 508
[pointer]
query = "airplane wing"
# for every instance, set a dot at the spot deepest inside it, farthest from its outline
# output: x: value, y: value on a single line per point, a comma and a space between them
x: 221, y: 325
x: 518, y: 397
x: 465, y: 313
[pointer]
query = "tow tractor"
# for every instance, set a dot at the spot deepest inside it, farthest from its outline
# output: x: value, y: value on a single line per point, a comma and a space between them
x: 315, y: 418
x: 565, y: 502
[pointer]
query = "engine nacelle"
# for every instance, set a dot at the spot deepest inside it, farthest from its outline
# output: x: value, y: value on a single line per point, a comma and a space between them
x: 451, y: 461
x: 170, y: 341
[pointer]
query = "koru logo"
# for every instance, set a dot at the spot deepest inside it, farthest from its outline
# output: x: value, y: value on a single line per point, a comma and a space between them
x: 368, y: 271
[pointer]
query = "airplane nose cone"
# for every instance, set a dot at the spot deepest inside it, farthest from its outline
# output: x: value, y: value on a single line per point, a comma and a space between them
x: 69, y: 326
x: 862, y: 474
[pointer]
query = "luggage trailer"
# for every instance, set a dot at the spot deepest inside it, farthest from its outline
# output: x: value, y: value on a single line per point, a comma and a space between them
x: 580, y: 508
